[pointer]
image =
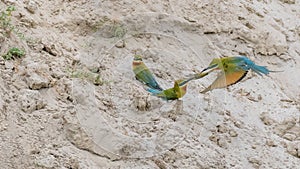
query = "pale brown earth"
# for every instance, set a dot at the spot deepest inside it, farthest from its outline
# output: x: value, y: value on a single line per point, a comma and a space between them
x: 73, y: 101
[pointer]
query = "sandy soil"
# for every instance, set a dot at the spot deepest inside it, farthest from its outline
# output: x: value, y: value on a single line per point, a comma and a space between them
x: 73, y: 102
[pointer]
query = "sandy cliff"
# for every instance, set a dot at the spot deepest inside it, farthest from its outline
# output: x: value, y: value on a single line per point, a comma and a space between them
x: 72, y: 100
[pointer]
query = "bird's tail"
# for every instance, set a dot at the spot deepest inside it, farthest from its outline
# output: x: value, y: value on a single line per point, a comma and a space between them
x: 263, y: 69
x: 260, y: 69
x: 256, y: 68
x: 153, y: 91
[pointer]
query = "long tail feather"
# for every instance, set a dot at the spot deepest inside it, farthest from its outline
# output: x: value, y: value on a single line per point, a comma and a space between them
x: 260, y: 69
x: 256, y: 68
x: 153, y: 91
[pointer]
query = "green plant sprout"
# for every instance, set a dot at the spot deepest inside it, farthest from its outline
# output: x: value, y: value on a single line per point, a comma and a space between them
x: 14, y: 53
x: 5, y: 20
x: 6, y: 25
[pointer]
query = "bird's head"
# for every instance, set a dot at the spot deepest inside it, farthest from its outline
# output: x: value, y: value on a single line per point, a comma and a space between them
x: 137, y: 58
x: 182, y: 82
x: 180, y: 87
x: 214, y: 64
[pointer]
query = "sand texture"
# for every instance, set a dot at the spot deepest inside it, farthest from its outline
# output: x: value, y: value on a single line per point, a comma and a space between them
x: 73, y: 102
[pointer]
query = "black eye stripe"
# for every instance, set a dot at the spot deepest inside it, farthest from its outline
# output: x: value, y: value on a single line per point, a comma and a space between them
x: 225, y: 65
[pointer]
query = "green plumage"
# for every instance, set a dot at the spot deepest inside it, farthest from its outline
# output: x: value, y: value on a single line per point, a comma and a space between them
x: 143, y: 74
x: 233, y: 69
x: 177, y: 91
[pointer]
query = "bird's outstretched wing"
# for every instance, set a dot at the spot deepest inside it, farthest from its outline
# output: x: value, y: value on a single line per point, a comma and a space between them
x: 225, y: 79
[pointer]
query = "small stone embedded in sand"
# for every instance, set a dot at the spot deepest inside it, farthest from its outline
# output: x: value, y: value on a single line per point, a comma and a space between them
x: 9, y: 65
x: 120, y: 44
x: 254, y: 146
x: 31, y: 6
x: 289, y: 136
x: 160, y: 163
x: 288, y: 1
x: 37, y: 81
x: 266, y: 119
x: 30, y: 100
x: 142, y: 104
x: 254, y: 99
x: 238, y: 124
x: 221, y: 128
x: 271, y: 143
x: 220, y: 140
x: 48, y: 161
x: 255, y: 161
x: 294, y: 149
x: 233, y: 133
x: 283, y: 127
x: 50, y: 49
x: 223, y: 142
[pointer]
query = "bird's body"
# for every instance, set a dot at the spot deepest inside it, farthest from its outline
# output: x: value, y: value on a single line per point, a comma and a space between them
x: 233, y: 69
x: 177, y: 91
x: 143, y: 74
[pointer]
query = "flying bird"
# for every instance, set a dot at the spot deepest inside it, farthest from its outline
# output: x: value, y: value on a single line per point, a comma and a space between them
x: 233, y: 69
x: 177, y: 91
x: 143, y: 74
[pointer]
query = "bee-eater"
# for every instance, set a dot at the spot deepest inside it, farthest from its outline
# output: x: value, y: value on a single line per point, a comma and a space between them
x: 176, y: 92
x: 233, y: 69
x: 143, y: 74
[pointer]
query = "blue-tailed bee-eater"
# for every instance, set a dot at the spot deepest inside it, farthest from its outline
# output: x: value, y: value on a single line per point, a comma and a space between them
x: 233, y: 69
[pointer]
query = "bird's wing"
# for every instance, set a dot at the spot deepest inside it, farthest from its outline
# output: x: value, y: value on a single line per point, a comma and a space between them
x: 225, y: 79
x: 143, y: 74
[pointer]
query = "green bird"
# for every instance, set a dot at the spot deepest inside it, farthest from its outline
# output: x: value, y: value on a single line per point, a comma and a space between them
x: 177, y: 91
x: 233, y: 69
x: 143, y: 74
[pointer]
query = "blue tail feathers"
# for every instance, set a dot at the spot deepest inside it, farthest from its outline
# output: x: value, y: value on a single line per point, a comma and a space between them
x: 260, y: 69
x: 154, y: 91
x: 249, y: 64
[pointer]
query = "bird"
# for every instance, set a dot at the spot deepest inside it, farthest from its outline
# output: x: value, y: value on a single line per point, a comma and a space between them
x: 177, y: 91
x: 143, y: 74
x: 233, y: 69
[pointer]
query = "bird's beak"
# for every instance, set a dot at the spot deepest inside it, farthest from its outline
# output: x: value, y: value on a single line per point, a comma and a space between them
x: 183, y: 82
x: 209, y: 69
